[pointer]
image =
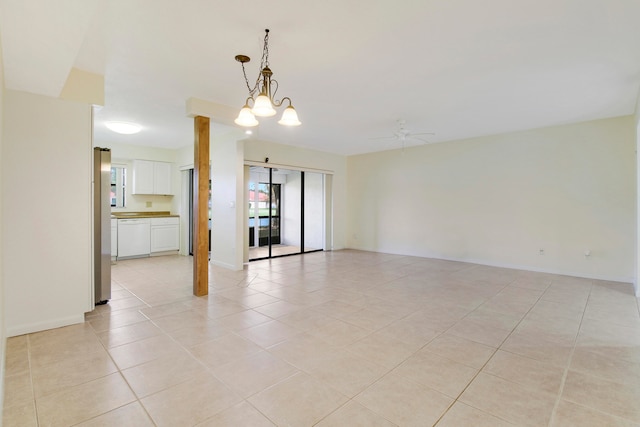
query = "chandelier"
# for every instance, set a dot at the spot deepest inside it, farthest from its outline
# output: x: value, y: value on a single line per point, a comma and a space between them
x: 264, y: 103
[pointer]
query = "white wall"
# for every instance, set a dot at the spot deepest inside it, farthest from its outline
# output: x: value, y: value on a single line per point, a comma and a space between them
x: 46, y: 212
x: 636, y: 282
x: 184, y: 157
x: 498, y: 200
x: 227, y: 194
x: 3, y: 334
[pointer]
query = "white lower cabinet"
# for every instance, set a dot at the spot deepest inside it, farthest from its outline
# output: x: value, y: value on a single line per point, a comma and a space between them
x: 165, y: 234
x: 133, y: 237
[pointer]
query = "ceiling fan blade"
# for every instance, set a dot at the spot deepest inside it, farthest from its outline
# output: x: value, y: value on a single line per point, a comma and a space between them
x: 383, y: 137
x: 422, y: 133
x: 424, y: 141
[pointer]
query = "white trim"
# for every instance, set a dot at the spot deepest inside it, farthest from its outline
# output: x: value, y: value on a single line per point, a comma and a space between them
x: 226, y: 265
x: 621, y: 279
x: 42, y: 326
x: 184, y: 212
x: 290, y: 167
x: 636, y: 282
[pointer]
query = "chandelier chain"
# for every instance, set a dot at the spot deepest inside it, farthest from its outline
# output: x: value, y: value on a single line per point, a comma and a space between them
x: 264, y: 62
x: 246, y: 80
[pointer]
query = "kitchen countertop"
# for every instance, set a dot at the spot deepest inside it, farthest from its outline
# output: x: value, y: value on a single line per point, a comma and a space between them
x: 156, y: 214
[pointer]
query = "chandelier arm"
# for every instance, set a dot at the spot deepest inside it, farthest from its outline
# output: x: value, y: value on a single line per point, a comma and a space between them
x: 273, y: 92
x: 279, y: 103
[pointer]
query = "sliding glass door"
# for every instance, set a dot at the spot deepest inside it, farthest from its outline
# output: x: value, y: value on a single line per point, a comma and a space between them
x: 279, y: 223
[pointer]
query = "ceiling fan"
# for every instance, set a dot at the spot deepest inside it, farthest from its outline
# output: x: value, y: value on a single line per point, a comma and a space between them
x: 404, y: 135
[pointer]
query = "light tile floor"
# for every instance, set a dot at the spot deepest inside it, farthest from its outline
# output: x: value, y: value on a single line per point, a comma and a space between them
x: 341, y: 338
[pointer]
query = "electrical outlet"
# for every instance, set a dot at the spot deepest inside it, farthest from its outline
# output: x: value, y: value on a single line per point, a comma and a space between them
x: 541, y: 252
x: 149, y: 204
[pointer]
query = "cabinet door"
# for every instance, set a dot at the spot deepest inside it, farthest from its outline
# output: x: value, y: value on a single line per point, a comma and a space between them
x: 162, y: 178
x: 143, y: 171
x: 133, y: 237
x: 165, y: 238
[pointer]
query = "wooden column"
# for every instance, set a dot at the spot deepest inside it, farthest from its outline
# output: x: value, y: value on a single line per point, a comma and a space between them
x: 200, y: 207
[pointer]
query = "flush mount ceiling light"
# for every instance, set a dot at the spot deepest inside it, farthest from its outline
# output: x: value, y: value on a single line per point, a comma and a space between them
x: 264, y: 103
x: 124, y: 127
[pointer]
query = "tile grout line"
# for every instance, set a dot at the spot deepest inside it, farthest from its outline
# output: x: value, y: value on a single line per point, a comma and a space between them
x: 352, y: 398
x: 212, y: 373
x: 123, y: 377
x: 33, y: 391
x: 570, y: 359
x: 457, y: 399
x: 423, y: 347
x: 592, y: 297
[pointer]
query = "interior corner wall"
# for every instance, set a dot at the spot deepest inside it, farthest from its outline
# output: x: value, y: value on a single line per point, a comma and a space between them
x: 3, y: 311
x: 227, y: 170
x: 636, y: 282
x: 559, y: 199
x: 46, y: 211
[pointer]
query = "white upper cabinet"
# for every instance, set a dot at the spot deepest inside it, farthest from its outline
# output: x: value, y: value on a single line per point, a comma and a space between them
x: 151, y: 177
x: 142, y: 177
x: 161, y: 178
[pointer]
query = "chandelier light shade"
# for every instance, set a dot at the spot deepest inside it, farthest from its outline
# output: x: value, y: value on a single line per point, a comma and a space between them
x: 262, y: 107
x: 265, y: 104
x: 246, y: 117
x: 289, y: 117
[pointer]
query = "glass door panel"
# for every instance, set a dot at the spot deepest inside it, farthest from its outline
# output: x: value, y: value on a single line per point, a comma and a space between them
x: 291, y: 211
x: 313, y: 211
x: 268, y: 213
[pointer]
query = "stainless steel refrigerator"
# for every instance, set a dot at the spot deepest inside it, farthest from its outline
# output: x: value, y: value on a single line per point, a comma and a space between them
x: 102, y: 224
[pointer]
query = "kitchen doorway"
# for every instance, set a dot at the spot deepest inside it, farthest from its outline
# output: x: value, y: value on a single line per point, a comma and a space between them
x: 190, y: 184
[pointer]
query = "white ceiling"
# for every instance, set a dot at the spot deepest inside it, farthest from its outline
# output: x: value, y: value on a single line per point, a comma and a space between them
x: 458, y: 68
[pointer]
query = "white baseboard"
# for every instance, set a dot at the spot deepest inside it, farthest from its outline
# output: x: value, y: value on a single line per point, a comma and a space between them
x: 226, y: 265
x: 622, y: 279
x: 608, y: 278
x: 162, y: 253
x: 28, y: 328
